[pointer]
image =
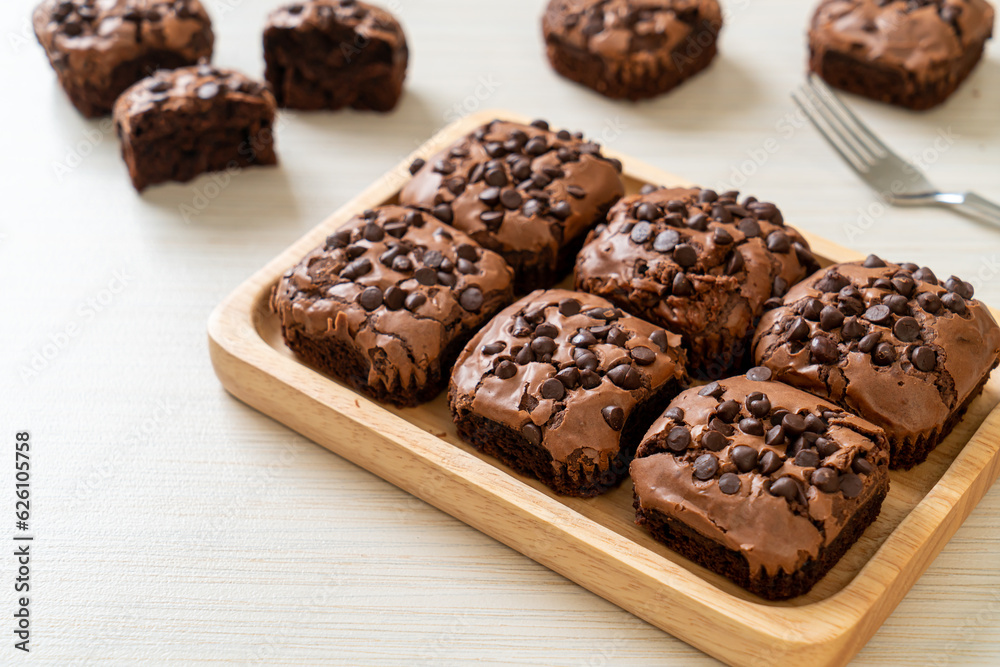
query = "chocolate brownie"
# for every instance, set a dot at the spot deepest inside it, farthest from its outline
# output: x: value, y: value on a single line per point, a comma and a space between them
x: 887, y: 341
x: 562, y: 385
x: 332, y: 54
x: 911, y: 53
x: 98, y: 49
x: 760, y: 482
x: 387, y: 302
x: 524, y: 191
x: 631, y: 48
x: 179, y: 123
x: 699, y: 264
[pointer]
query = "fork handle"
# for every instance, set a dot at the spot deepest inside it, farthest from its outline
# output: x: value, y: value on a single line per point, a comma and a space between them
x: 972, y: 205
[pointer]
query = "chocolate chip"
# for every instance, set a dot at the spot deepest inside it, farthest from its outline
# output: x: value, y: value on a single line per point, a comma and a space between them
x: 443, y: 213
x: 793, y: 424
x: 713, y: 389
x: 491, y: 219
x: 370, y: 298
x: 807, y: 458
x: 546, y: 329
x: 897, y: 304
x: 878, y: 314
x: 722, y: 427
x: 814, y: 424
x: 677, y: 414
x: 863, y: 466
x: 471, y: 299
x: 353, y: 251
x: 523, y: 355
x: 823, y: 350
x: 830, y: 318
x: 868, y: 343
x: 576, y: 192
x: 930, y: 302
x: 532, y: 433
x: 904, y: 284
x: 729, y: 483
x: 356, y: 269
x: 553, y: 389
x: 825, y: 479
x: 798, y: 329
x: 906, y: 329
x: 506, y: 370
x: 873, y: 262
x: 560, y: 210
x: 521, y: 327
x: 642, y: 355
x: 681, y: 286
x: 467, y: 251
x: 417, y: 165
x: 465, y: 267
x: 338, y: 240
x: 852, y: 328
x: 495, y: 347
x: 960, y: 287
x: 647, y: 211
x: 744, y: 457
x: 678, y: 439
x: 616, y: 336
x: 812, y: 309
x: 426, y: 276
x: 586, y: 361
x: 614, y: 416
x: 760, y: 407
x: 752, y: 426
x: 826, y: 446
x: 707, y: 196
x: 769, y: 462
x: 778, y: 242
x: 924, y: 358
x: 705, y: 467
x: 641, y: 233
x: 570, y: 377
x: 697, y: 222
x: 713, y: 440
x: 785, y: 487
x: 884, y: 354
x: 851, y: 485
x: 415, y: 300
x: 659, y: 338
x: 759, y: 374
x: 955, y: 303
x: 583, y: 338
x: 685, y: 255
x: 626, y: 377
x: 749, y: 227
x: 394, y: 298
x: 883, y: 284
x: 721, y: 237
x: 735, y: 263
x: 924, y: 274
x: 728, y: 410
x: 511, y: 199
x: 589, y: 379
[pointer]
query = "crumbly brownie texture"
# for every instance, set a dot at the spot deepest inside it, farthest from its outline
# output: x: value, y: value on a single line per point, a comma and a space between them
x: 760, y: 482
x: 889, y: 342
x: 524, y: 191
x: 562, y: 385
x: 332, y: 54
x: 98, y: 49
x: 631, y: 48
x: 180, y: 123
x: 387, y: 303
x: 911, y: 53
x: 699, y: 264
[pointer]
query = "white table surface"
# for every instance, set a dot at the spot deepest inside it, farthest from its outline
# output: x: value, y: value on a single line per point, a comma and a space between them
x: 175, y: 524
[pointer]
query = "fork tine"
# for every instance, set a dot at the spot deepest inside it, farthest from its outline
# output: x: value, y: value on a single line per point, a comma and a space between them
x: 833, y: 136
x: 850, y: 120
x: 850, y: 139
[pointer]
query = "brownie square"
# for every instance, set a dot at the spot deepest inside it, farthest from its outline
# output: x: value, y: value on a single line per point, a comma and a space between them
x: 890, y: 342
x: 98, y: 49
x: 561, y: 386
x: 180, y: 123
x: 912, y: 54
x: 524, y: 191
x: 760, y: 482
x: 386, y: 304
x: 697, y: 263
x: 631, y: 49
x: 331, y: 54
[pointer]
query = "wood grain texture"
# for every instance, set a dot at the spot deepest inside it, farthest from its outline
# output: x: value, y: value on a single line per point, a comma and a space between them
x: 177, y: 525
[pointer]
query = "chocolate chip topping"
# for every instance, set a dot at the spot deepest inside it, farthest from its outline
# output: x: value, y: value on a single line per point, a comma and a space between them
x: 682, y: 258
x: 899, y: 321
x: 779, y: 494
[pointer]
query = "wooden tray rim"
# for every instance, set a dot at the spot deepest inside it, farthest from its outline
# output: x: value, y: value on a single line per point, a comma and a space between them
x: 828, y: 631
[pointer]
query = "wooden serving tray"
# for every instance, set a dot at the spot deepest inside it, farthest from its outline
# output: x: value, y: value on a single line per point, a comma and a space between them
x: 595, y: 542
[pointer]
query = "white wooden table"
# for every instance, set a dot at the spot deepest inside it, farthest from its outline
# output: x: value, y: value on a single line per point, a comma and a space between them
x: 175, y: 524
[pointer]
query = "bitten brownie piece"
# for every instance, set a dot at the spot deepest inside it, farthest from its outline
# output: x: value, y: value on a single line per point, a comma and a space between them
x: 631, y: 48
x: 911, y: 53
x: 562, y: 385
x: 697, y: 263
x: 387, y: 303
x: 759, y: 482
x: 889, y: 342
x: 331, y: 54
x: 98, y: 49
x: 180, y: 123
x: 524, y: 191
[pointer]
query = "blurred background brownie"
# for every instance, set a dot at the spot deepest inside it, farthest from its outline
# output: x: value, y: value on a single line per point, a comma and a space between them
x: 889, y: 342
x: 699, y: 264
x: 100, y: 48
x: 759, y: 482
x: 631, y: 48
x: 561, y: 386
x: 386, y: 304
x: 331, y: 54
x: 912, y: 53
x: 180, y: 123
x: 529, y: 193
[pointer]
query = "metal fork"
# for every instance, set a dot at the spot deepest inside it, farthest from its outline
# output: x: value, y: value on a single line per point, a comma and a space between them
x: 896, y: 180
